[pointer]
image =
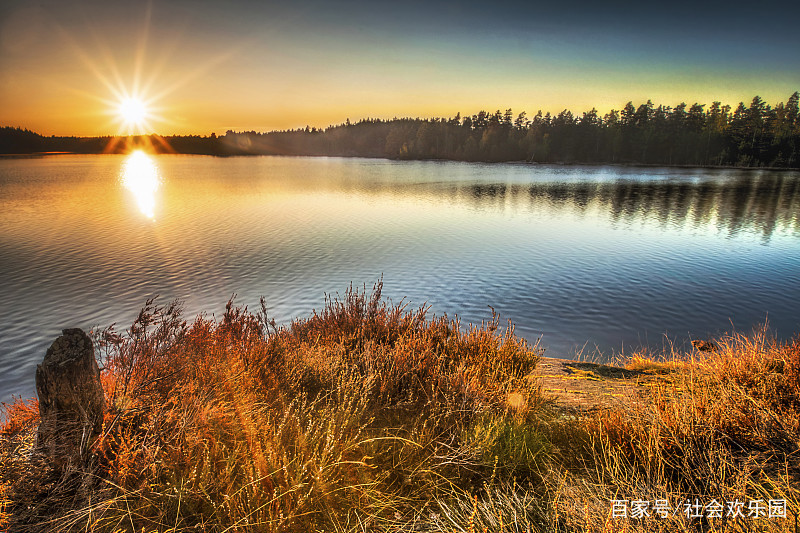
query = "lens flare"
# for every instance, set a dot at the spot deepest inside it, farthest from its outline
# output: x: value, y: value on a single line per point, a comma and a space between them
x: 140, y: 176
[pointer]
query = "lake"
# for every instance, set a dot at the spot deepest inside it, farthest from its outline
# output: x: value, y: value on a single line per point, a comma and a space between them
x: 593, y: 260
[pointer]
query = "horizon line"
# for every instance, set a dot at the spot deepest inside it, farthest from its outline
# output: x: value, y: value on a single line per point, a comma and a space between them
x: 347, y: 120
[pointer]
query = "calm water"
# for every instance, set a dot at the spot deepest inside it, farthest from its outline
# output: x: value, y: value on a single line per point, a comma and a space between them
x: 588, y: 258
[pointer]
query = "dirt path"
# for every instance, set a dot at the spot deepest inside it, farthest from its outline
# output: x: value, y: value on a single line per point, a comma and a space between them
x: 580, y: 387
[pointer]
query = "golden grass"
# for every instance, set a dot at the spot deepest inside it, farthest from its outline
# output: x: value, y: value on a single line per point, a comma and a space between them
x: 351, y: 417
x: 369, y: 417
x: 724, y: 427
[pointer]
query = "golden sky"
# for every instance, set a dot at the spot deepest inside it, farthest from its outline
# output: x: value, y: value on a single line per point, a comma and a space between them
x: 204, y: 66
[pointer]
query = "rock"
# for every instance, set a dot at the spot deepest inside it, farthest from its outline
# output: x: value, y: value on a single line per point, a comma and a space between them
x: 705, y: 346
x: 71, y: 402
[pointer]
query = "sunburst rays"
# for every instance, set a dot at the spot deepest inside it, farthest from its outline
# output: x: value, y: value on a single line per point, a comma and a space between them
x: 140, y: 93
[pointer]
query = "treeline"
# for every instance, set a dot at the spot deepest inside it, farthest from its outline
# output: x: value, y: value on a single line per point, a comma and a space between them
x: 753, y: 135
x: 23, y: 141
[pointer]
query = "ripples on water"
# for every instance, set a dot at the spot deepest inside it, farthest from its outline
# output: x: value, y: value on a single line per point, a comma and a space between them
x: 597, y: 257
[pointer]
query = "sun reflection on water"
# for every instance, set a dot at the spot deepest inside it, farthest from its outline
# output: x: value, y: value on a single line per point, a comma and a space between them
x: 140, y: 176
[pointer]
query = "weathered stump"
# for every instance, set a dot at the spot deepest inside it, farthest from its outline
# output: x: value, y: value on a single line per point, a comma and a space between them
x: 71, y: 402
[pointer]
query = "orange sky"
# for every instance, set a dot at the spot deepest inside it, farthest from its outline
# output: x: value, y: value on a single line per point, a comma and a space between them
x: 207, y: 66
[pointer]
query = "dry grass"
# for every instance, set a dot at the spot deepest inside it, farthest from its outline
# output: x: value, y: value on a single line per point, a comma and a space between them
x: 352, y: 418
x: 369, y: 417
x: 725, y: 427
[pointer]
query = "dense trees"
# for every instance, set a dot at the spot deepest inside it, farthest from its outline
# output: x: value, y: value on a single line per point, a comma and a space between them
x: 20, y: 141
x: 23, y: 141
x: 697, y: 134
x: 751, y: 135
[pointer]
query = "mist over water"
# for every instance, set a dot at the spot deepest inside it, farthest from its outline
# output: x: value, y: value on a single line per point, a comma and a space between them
x: 587, y: 258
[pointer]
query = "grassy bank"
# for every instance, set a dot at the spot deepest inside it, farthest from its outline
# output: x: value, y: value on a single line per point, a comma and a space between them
x: 371, y: 417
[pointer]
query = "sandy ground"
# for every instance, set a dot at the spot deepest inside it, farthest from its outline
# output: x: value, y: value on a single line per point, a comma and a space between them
x: 581, y: 387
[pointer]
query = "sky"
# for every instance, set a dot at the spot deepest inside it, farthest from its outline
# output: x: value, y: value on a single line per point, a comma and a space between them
x: 205, y: 66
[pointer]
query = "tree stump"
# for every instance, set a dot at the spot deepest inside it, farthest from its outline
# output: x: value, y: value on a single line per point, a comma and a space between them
x: 71, y: 402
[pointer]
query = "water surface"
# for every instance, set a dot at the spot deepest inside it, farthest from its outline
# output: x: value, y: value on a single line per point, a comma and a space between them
x: 586, y: 258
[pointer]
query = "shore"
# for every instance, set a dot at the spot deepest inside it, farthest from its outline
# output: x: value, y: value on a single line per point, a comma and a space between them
x: 579, y: 387
x: 370, y: 417
x: 516, y: 161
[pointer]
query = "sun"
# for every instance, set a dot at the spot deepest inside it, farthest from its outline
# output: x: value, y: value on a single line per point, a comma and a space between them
x: 132, y: 112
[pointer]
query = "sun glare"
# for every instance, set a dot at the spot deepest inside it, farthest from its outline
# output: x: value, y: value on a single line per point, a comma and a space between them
x: 140, y: 176
x: 132, y: 112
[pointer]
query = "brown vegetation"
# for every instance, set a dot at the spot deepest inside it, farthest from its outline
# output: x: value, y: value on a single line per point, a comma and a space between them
x: 370, y: 417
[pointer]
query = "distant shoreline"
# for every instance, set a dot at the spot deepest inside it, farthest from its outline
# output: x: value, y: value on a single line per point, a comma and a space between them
x: 33, y: 155
x: 757, y: 136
